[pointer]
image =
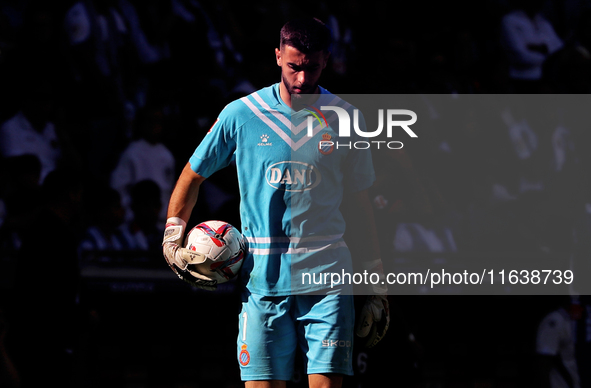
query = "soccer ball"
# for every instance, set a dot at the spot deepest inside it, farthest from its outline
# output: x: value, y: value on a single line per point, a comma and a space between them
x: 223, y: 246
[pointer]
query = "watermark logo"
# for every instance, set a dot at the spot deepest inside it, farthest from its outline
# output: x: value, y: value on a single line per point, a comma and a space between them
x: 389, y: 119
x: 316, y: 113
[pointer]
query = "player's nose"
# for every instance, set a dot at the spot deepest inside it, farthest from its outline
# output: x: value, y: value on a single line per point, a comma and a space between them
x: 302, y: 77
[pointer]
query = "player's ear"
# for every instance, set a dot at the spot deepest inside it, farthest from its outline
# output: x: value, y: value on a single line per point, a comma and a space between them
x: 278, y: 56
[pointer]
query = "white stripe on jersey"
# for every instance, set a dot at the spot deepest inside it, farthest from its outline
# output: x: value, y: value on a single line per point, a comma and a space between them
x: 285, y: 121
x: 295, y: 251
x: 267, y: 121
x: 275, y: 113
x: 273, y: 240
x: 281, y: 117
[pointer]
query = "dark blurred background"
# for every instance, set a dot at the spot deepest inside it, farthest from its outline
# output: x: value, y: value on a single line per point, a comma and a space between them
x: 102, y: 102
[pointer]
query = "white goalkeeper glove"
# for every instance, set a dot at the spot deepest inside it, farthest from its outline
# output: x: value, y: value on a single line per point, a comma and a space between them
x: 374, y: 319
x: 178, y: 258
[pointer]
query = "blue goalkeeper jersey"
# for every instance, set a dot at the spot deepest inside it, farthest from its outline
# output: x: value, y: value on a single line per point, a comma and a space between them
x: 292, y: 173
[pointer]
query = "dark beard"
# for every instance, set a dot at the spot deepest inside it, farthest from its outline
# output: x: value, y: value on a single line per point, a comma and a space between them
x: 300, y: 101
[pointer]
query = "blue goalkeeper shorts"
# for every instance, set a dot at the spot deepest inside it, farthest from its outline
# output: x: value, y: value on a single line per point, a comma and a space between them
x: 271, y: 328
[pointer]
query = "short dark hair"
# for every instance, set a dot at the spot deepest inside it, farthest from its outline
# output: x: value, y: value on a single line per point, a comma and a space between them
x: 308, y: 35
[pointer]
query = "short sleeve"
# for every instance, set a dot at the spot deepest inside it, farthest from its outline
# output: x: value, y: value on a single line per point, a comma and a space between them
x: 217, y: 148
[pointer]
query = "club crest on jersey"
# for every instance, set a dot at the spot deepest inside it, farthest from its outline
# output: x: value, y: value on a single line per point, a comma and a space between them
x: 292, y: 176
x: 265, y: 141
x: 244, y: 356
x: 325, y: 146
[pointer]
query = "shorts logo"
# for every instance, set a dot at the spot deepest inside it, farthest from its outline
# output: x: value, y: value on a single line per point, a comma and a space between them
x: 329, y: 343
x: 325, y: 146
x: 244, y: 356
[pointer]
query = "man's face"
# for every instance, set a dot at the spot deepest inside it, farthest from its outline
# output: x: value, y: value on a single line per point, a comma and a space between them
x: 300, y: 72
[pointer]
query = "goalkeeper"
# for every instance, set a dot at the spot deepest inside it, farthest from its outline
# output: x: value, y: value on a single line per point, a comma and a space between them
x: 292, y: 182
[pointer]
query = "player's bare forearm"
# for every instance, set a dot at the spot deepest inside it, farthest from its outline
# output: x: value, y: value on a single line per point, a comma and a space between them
x: 185, y: 193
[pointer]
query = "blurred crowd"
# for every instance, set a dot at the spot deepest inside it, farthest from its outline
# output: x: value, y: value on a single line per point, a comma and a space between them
x: 123, y: 90
x: 103, y: 102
